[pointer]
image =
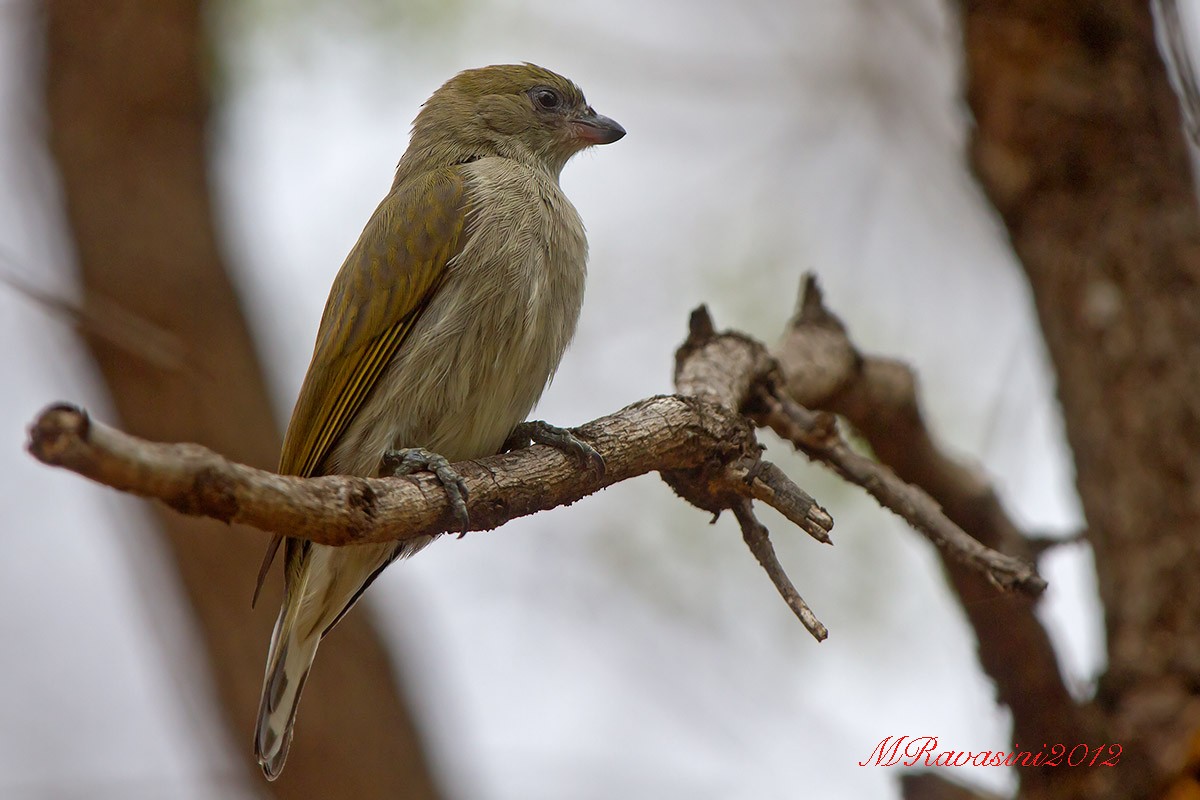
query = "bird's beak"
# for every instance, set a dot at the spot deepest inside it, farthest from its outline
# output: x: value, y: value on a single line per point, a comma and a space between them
x: 593, y: 128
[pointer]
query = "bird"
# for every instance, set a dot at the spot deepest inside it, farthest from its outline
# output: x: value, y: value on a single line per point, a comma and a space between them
x: 443, y: 327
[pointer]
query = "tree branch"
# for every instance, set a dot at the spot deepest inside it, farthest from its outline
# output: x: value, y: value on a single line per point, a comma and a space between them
x: 823, y: 369
x: 759, y: 542
x: 816, y: 434
x: 661, y: 433
x: 701, y: 441
x: 737, y: 371
x: 930, y: 786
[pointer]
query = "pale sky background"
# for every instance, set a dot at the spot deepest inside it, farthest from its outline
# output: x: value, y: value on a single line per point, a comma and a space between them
x: 621, y: 647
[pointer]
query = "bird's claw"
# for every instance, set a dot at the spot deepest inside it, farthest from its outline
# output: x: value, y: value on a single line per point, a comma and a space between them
x: 539, y: 432
x: 408, y: 460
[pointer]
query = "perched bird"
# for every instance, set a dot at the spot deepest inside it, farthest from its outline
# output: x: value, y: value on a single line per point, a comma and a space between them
x: 442, y: 329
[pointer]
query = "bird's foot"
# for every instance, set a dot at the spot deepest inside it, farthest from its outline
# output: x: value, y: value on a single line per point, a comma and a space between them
x: 539, y: 432
x: 408, y: 460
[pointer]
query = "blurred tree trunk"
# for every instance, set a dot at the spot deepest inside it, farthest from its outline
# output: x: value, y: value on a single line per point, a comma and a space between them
x: 128, y: 109
x: 1079, y: 145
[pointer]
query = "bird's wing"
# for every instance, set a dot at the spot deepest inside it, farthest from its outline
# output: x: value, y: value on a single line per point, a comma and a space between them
x: 386, y: 282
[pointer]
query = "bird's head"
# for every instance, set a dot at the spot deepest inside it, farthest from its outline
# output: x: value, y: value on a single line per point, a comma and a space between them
x: 518, y: 111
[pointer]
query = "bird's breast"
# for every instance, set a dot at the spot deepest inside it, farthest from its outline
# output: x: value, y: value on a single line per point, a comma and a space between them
x: 485, y: 348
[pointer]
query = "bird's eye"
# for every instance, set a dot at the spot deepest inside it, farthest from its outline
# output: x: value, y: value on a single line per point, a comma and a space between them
x: 547, y: 99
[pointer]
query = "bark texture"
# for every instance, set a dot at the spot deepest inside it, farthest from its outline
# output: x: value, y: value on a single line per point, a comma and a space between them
x: 1079, y: 145
x: 701, y: 442
x: 128, y: 108
x: 718, y: 445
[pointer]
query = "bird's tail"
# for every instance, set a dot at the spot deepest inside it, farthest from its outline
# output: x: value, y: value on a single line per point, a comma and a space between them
x: 321, y: 585
x: 290, y: 658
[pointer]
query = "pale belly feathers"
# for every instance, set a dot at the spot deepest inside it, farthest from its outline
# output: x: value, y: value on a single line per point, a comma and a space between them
x: 484, y: 350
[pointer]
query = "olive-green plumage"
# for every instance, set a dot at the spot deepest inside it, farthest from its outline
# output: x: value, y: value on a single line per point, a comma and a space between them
x: 443, y: 327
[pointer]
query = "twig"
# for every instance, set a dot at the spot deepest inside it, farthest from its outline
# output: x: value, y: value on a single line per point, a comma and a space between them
x: 108, y: 321
x: 770, y: 485
x: 817, y: 435
x: 1041, y: 543
x: 759, y: 542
